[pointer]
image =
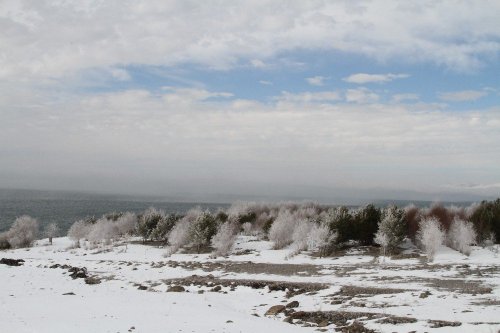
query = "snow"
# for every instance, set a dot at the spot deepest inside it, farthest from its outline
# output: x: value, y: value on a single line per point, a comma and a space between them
x: 32, y: 300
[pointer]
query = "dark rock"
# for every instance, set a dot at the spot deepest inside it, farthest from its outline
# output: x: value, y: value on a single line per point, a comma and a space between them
x: 443, y: 323
x: 70, y: 293
x: 142, y: 288
x: 92, y: 280
x: 425, y: 294
x: 274, y: 310
x: 11, y: 262
x: 176, y: 289
x: 216, y: 288
x: 293, y: 304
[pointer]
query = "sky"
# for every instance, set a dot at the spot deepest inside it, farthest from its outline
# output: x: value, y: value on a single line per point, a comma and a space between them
x: 324, y: 100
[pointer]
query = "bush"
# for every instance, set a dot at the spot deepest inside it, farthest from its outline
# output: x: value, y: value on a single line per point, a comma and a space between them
x: 486, y: 220
x: 430, y: 236
x: 23, y: 232
x: 391, y: 229
x: 202, y: 230
x: 320, y: 238
x: 164, y: 227
x: 281, y: 231
x: 179, y: 235
x: 126, y: 223
x: 341, y: 223
x: 461, y: 236
x: 103, y: 230
x: 223, y: 240
x: 148, y: 222
x: 79, y: 230
x: 300, y: 235
x: 366, y: 224
x: 51, y: 231
x: 4, y: 241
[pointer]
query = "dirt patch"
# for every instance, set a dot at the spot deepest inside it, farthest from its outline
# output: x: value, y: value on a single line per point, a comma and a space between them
x: 341, y: 318
x: 291, y: 288
x: 245, y: 267
x: 443, y: 323
x: 459, y: 286
x: 353, y: 291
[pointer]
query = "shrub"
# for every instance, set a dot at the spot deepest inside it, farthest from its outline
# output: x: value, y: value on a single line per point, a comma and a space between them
x: 23, y: 232
x: 103, y: 230
x: 223, y: 240
x: 340, y: 222
x: 382, y: 239
x: 164, y: 227
x: 51, y: 231
x: 430, y: 236
x: 461, y: 236
x: 202, y: 230
x: 179, y: 235
x: 366, y: 221
x: 126, y: 223
x: 320, y: 238
x: 148, y: 222
x: 392, y: 228
x: 300, y: 235
x: 486, y: 220
x: 413, y: 217
x: 79, y: 230
x: 4, y: 241
x: 281, y: 231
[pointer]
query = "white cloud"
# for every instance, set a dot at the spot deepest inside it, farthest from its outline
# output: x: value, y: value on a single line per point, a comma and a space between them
x: 462, y: 96
x: 51, y: 38
x: 257, y: 63
x: 265, y: 82
x: 316, y: 80
x: 361, y: 78
x: 361, y: 95
x: 397, y: 98
x: 308, y: 97
x: 120, y: 74
x: 310, y: 138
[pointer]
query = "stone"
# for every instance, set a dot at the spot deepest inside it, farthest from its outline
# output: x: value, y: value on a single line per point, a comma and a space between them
x: 274, y: 310
x: 11, y: 262
x: 293, y: 304
x: 92, y: 280
x: 176, y: 289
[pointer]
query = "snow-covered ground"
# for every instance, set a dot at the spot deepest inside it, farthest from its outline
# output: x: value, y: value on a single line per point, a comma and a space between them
x: 399, y: 294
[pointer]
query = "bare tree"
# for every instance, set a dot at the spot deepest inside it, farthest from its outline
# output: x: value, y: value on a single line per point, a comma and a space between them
x: 51, y: 231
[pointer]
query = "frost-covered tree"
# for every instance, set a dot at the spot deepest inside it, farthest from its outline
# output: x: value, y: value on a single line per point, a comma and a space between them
x: 320, y: 238
x: 382, y: 239
x: 23, y: 232
x: 223, y: 240
x: 247, y: 228
x: 51, y: 231
x: 461, y: 236
x: 366, y: 224
x: 79, y: 230
x: 202, y: 230
x: 393, y: 227
x: 103, y: 230
x: 164, y: 227
x: 281, y: 232
x: 430, y: 236
x: 300, y: 236
x: 148, y: 222
x: 179, y: 235
x: 340, y: 221
x: 126, y: 223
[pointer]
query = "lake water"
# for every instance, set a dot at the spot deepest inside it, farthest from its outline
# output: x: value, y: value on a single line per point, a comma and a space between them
x: 64, y: 208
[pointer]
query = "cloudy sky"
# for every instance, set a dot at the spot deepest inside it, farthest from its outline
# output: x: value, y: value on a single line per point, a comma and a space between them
x: 306, y: 99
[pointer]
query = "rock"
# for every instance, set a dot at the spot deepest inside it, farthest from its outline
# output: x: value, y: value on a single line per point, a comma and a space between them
x: 176, y: 289
x: 323, y: 323
x: 298, y: 315
x: 11, y: 262
x: 293, y: 304
x: 70, y: 293
x: 229, y: 321
x: 274, y: 310
x: 92, y: 280
x: 78, y: 273
x: 216, y: 288
x: 288, y: 320
x: 55, y: 266
x: 142, y: 288
x: 425, y: 294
